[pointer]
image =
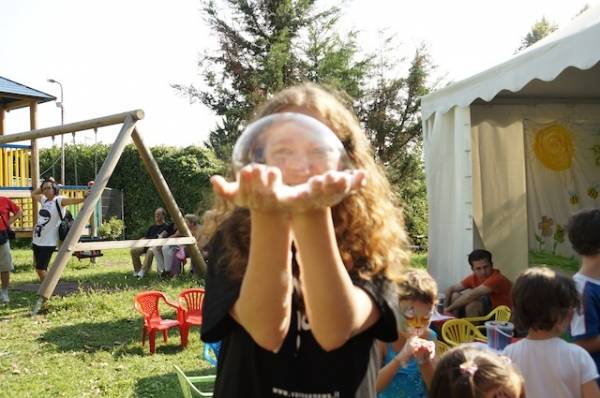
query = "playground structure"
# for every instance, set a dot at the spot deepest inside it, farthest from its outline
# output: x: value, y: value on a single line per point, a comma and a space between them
x: 25, y: 170
x: 15, y: 183
x: 71, y: 243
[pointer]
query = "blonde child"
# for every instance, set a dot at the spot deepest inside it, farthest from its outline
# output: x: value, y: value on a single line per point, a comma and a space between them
x: 299, y: 293
x: 408, y: 362
x: 543, y: 304
x: 471, y: 372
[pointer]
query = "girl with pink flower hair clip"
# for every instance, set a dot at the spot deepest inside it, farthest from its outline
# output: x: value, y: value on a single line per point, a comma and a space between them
x: 471, y: 372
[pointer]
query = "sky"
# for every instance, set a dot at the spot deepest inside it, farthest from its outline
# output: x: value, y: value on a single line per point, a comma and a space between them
x: 113, y: 56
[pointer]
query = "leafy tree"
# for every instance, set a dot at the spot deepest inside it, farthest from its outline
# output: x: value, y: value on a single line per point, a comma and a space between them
x: 264, y: 46
x: 539, y: 30
x: 390, y: 112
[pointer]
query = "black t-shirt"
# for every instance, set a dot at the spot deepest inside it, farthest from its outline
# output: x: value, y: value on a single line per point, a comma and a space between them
x: 301, y: 368
x: 156, y: 230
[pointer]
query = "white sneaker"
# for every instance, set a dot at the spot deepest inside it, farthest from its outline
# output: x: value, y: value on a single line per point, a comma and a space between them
x: 140, y: 274
x: 4, y: 296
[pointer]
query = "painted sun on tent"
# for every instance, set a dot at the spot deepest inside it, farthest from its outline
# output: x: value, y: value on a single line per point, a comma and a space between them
x: 553, y: 146
x: 563, y: 169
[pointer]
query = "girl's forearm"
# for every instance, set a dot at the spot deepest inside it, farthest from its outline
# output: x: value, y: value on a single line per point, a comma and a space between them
x: 336, y: 308
x: 386, y: 374
x: 264, y: 305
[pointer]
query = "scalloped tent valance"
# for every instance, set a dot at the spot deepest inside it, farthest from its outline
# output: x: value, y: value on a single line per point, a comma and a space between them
x: 570, y: 50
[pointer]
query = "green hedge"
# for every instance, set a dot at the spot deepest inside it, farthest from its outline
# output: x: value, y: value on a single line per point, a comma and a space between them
x: 186, y: 170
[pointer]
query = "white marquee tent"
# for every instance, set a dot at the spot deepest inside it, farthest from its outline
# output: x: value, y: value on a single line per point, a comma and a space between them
x: 512, y: 151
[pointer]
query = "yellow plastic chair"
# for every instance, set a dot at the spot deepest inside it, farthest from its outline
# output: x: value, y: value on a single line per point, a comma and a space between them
x: 501, y: 313
x: 188, y: 388
x: 441, y: 348
x: 459, y: 331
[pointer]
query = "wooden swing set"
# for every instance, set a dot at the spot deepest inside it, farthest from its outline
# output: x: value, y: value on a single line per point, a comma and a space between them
x: 71, y: 244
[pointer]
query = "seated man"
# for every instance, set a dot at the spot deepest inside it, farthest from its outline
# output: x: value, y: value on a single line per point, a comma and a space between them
x: 153, y: 232
x: 479, y: 293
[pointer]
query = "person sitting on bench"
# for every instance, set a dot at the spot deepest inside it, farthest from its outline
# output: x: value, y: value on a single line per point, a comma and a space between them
x: 155, y: 231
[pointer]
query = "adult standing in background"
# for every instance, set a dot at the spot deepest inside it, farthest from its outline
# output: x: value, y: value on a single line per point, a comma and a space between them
x: 45, y: 233
x: 9, y: 212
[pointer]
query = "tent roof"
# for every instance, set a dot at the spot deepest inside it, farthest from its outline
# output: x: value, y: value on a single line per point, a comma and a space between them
x: 17, y: 95
x: 567, y: 59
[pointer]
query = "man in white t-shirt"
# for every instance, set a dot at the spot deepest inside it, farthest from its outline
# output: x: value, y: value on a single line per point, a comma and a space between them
x: 45, y: 233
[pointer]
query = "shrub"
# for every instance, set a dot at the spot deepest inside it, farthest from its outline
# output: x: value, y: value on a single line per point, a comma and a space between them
x: 112, y: 229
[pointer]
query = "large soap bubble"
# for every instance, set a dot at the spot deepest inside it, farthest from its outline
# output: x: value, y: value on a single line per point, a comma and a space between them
x: 299, y: 145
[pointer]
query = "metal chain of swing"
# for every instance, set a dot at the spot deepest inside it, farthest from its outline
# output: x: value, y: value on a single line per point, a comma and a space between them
x: 75, y: 160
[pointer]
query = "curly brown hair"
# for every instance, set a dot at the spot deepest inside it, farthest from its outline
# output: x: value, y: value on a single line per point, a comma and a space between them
x: 369, y: 227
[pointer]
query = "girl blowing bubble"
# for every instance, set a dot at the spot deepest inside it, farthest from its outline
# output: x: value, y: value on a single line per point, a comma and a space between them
x: 408, y: 362
x: 301, y: 271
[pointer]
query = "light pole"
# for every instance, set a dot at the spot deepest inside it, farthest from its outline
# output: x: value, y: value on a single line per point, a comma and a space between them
x: 61, y: 105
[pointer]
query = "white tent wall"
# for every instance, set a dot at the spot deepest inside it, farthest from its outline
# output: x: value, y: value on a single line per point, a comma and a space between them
x: 494, y: 137
x: 546, y: 82
x: 499, y: 187
x: 447, y: 140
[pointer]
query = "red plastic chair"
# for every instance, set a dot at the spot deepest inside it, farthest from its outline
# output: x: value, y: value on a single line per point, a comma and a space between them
x: 190, y: 301
x: 147, y: 304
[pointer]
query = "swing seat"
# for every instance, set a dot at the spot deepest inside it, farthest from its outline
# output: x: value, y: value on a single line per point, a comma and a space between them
x: 88, y: 253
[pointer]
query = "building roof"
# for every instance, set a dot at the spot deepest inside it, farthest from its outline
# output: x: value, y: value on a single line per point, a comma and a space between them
x: 15, y: 95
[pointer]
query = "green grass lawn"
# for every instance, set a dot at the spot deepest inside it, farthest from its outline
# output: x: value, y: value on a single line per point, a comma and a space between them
x: 568, y: 265
x: 87, y: 344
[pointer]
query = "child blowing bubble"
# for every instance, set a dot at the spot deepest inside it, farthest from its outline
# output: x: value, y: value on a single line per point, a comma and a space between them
x: 299, y: 287
x: 408, y: 362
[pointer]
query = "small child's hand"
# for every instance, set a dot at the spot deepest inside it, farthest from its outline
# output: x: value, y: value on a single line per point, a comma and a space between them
x: 420, y: 349
x: 407, y: 351
x: 424, y: 351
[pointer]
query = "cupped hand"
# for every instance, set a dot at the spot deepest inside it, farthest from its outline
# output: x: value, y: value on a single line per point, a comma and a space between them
x: 258, y: 187
x: 415, y: 347
x: 424, y: 350
x: 325, y: 190
x: 261, y: 188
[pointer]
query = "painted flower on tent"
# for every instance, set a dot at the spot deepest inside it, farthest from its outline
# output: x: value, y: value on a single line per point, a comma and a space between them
x: 573, y: 198
x: 553, y: 146
x: 593, y: 191
x: 559, y: 234
x: 546, y: 226
x: 559, y: 237
x: 596, y: 150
